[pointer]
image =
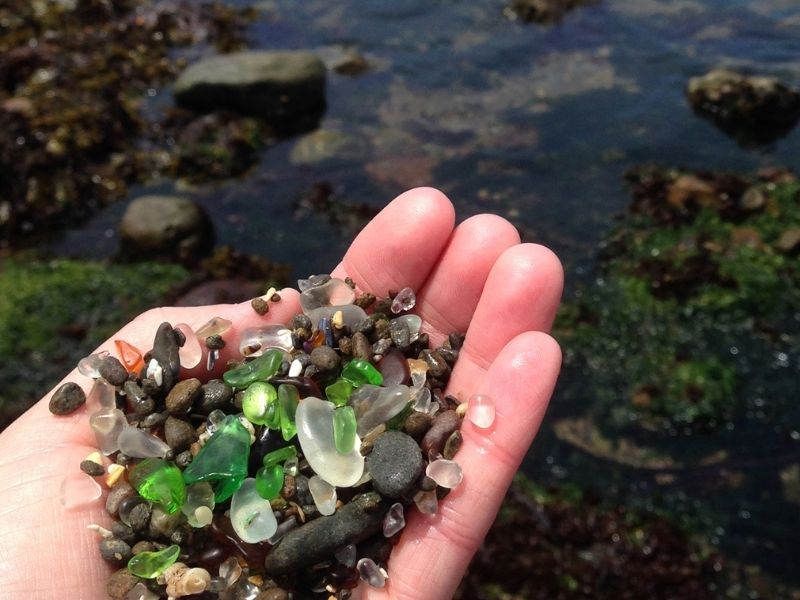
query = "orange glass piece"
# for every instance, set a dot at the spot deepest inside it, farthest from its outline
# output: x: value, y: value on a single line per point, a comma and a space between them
x: 317, y: 339
x: 129, y: 356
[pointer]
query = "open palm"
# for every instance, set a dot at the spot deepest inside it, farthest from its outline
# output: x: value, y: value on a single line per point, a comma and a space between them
x: 476, y: 277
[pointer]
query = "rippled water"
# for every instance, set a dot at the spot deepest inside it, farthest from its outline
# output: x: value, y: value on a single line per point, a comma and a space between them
x: 537, y: 124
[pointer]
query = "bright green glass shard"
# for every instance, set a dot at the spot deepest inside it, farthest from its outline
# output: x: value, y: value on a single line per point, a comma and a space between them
x: 223, y: 460
x: 260, y: 404
x: 269, y: 481
x: 359, y: 371
x: 279, y: 456
x: 344, y: 429
x: 150, y: 565
x: 159, y: 481
x: 339, y: 391
x: 288, y: 398
x: 260, y: 369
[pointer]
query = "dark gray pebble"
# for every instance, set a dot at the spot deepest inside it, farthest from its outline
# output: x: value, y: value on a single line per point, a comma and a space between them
x: 112, y: 371
x: 381, y: 346
x: 346, y: 345
x: 140, y: 403
x: 120, y: 583
x: 139, y: 517
x: 300, y: 321
x: 215, y: 342
x: 67, y: 398
x: 180, y: 337
x: 283, y: 369
x: 449, y: 355
x: 154, y: 419
x: 181, y: 535
x: 452, y: 445
x: 215, y: 394
x: 115, y: 551
x: 92, y: 468
x: 317, y: 540
x: 417, y: 424
x: 183, y: 459
x: 367, y: 326
x: 324, y: 358
x: 302, y: 492
x: 400, y: 334
x: 378, y: 548
x: 310, y: 371
x: 395, y: 464
x: 382, y: 329
x: 165, y: 351
x: 179, y: 434
x: 361, y: 347
x: 182, y: 396
x: 437, y: 365
x: 123, y: 532
x: 443, y: 426
x: 123, y: 459
x: 117, y: 494
x: 456, y: 340
x: 150, y: 387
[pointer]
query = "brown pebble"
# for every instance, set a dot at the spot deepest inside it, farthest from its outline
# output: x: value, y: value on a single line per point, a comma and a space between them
x: 276, y: 297
x: 453, y: 445
x: 115, y: 551
x: 417, y: 424
x: 112, y: 371
x: 345, y: 345
x: 120, y: 583
x: 215, y: 342
x: 182, y: 396
x: 179, y: 434
x: 361, y: 347
x: 260, y: 305
x: 365, y: 300
x: 324, y: 358
x: 289, y: 489
x: 117, y: 494
x: 437, y: 365
x: 444, y: 424
x: 92, y: 468
x: 143, y: 546
x: 67, y: 399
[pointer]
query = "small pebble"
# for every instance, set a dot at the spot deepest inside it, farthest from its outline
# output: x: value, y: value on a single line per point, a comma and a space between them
x: 92, y: 468
x: 120, y: 583
x: 215, y: 342
x: 117, y: 494
x: 417, y: 424
x: 179, y: 434
x: 361, y: 347
x: 273, y: 594
x: 182, y: 396
x: 112, y: 371
x: 115, y: 551
x: 260, y: 305
x: 214, y: 395
x: 371, y: 573
x: 123, y: 532
x: 154, y: 419
x: 324, y: 358
x: 443, y: 426
x: 67, y: 399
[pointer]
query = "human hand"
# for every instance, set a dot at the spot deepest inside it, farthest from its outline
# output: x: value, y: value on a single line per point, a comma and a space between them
x: 476, y: 278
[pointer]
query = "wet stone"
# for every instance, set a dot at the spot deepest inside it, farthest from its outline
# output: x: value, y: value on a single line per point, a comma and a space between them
x: 120, y: 583
x: 400, y: 334
x: 92, y: 468
x: 417, y: 424
x: 165, y: 351
x: 215, y: 342
x: 273, y: 594
x: 318, y: 539
x: 182, y: 396
x: 324, y: 358
x: 443, y: 426
x: 183, y: 459
x: 154, y: 420
x: 214, y: 395
x: 67, y: 399
x: 437, y: 365
x: 139, y: 517
x: 123, y: 532
x: 115, y: 551
x: 113, y: 371
x: 117, y: 494
x: 395, y: 464
x: 179, y: 434
x: 452, y: 445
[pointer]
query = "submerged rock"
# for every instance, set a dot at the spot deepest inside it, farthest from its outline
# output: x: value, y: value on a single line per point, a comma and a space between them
x: 544, y: 11
x: 754, y: 110
x: 278, y: 86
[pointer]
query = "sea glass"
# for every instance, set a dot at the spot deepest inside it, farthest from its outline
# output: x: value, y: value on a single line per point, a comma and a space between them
x: 216, y: 326
x: 159, y: 481
x: 339, y: 391
x: 79, y: 490
x: 102, y: 395
x: 352, y: 315
x: 199, y: 496
x: 426, y: 502
x: 413, y: 322
x: 375, y: 405
x: 360, y: 372
x: 129, y: 356
x: 403, y: 301
x: 394, y: 368
x: 288, y: 398
x: 90, y: 365
x: 149, y: 565
x: 138, y: 443
x: 394, y: 521
x: 107, y: 424
x: 280, y: 455
x: 315, y: 432
x: 333, y: 292
x: 371, y: 573
x: 324, y: 495
x: 260, y: 404
x: 222, y: 461
x: 251, y: 515
x: 419, y: 370
x: 191, y: 353
x: 446, y: 473
x: 312, y: 281
x: 254, y: 341
x: 260, y: 369
x: 481, y: 411
x: 344, y: 429
x: 269, y: 481
x: 140, y: 592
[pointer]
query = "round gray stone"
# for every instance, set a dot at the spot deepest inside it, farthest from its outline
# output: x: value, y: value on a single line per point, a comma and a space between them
x: 395, y: 464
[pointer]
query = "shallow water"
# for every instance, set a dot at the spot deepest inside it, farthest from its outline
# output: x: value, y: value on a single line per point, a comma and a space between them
x: 537, y: 124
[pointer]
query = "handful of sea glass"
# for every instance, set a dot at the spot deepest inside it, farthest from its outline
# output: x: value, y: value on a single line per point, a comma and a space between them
x: 292, y: 474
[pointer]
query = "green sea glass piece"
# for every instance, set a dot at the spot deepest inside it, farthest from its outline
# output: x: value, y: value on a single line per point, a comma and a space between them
x: 279, y: 456
x: 359, y: 371
x: 159, y: 481
x: 223, y: 460
x: 150, y: 565
x: 260, y: 369
x: 260, y: 404
x: 269, y: 481
x: 339, y: 391
x: 344, y: 429
x: 288, y: 398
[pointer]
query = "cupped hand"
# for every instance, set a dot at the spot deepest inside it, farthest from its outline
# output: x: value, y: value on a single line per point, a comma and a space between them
x: 475, y: 278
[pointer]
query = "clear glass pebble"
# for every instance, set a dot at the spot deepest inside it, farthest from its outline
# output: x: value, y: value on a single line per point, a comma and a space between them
x: 481, y: 411
x: 230, y: 570
x: 217, y: 585
x: 414, y: 324
x: 211, y: 359
x: 333, y: 292
x: 254, y: 341
x: 214, y: 420
x: 314, y: 419
x: 102, y: 395
x: 199, y: 496
x: 216, y: 326
x: 312, y: 281
x: 371, y: 573
x: 446, y: 473
x: 292, y: 466
x: 90, y: 365
x: 394, y: 520
x: 324, y: 495
x: 374, y: 405
x: 251, y: 516
x: 140, y: 592
x: 419, y: 371
x: 421, y: 398
x: 138, y: 443
x: 347, y: 555
x: 155, y: 371
x: 352, y: 315
x: 107, y: 424
x: 191, y: 353
x: 426, y: 502
x: 403, y: 301
x: 79, y: 490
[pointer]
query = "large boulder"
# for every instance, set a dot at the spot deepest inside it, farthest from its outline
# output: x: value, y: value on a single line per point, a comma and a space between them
x: 753, y: 110
x: 282, y: 87
x: 165, y: 227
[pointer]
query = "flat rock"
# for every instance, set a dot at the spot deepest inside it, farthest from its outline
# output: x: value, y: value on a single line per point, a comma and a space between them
x: 277, y: 86
x: 317, y: 540
x: 395, y: 464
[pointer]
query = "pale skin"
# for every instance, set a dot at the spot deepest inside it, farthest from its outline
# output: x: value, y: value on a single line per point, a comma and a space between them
x: 475, y: 278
